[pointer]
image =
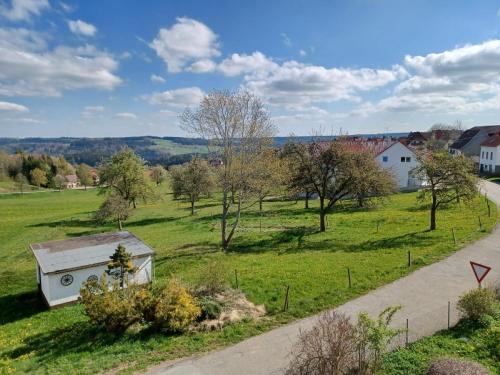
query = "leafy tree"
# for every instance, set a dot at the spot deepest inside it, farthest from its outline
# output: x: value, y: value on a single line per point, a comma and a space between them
x: 121, y: 265
x: 59, y: 182
x: 326, y: 167
x: 21, y: 182
x: 192, y: 180
x: 124, y: 174
x: 158, y: 174
x: 114, y: 207
x: 38, y: 177
x: 84, y: 174
x: 238, y: 126
x: 447, y: 178
x: 371, y: 181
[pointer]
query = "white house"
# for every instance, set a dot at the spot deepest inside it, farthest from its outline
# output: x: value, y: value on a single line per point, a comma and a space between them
x: 489, y: 156
x: 63, y: 266
x: 393, y: 156
x: 400, y: 161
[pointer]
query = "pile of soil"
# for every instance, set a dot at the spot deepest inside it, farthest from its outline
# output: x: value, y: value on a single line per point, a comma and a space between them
x: 236, y: 307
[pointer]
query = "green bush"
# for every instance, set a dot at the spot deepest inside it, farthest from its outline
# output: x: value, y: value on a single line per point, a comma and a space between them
x: 113, y: 309
x: 212, y: 279
x: 175, y: 309
x: 210, y: 308
x: 477, y: 303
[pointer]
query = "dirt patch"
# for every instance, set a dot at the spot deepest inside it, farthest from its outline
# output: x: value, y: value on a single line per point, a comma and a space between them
x: 236, y: 307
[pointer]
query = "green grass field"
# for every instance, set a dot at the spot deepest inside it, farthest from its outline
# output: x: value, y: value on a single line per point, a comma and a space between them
x: 466, y: 340
x: 288, y: 251
x: 179, y: 149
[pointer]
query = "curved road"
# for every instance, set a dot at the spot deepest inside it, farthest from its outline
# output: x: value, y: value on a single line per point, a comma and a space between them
x: 424, y: 295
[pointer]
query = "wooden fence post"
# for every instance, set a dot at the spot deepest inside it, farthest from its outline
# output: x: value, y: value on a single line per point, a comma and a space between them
x: 454, y: 236
x: 236, y: 277
x: 349, y: 276
x: 285, y: 304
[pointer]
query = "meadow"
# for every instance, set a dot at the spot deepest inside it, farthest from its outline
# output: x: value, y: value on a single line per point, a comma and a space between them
x: 281, y: 248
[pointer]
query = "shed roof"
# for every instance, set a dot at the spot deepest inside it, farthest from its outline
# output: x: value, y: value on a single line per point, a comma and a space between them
x: 86, y: 251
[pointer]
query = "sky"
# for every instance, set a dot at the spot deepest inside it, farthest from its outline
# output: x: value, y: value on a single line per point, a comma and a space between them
x: 125, y: 68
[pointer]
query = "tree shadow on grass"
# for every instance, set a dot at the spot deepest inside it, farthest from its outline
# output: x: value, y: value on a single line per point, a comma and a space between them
x: 66, y: 223
x: 75, y: 338
x: 15, y: 307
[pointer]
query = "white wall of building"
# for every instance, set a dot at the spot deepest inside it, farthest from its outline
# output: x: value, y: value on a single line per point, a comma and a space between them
x: 399, y: 160
x: 56, y: 293
x: 489, y: 158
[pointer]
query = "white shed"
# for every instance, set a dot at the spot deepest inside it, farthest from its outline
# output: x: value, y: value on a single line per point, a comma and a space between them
x: 63, y: 266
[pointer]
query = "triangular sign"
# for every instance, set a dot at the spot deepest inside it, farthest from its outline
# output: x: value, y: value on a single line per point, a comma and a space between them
x: 480, y: 271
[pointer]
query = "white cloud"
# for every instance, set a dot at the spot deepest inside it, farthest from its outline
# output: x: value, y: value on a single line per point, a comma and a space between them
x: 202, y: 66
x: 464, y: 79
x: 286, y: 39
x: 126, y: 115
x: 176, y: 99
x: 302, y: 52
x: 29, y: 68
x: 186, y: 41
x: 92, y: 111
x: 238, y: 64
x: 294, y: 83
x: 22, y: 10
x: 12, y: 107
x: 157, y: 78
x: 66, y: 7
x: 82, y: 28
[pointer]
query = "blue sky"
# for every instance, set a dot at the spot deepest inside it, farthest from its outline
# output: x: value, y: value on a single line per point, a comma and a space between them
x: 121, y: 68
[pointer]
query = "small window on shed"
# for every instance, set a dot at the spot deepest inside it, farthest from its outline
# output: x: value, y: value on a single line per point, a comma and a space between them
x: 385, y: 159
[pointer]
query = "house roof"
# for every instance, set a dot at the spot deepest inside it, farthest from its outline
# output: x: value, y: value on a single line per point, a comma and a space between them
x: 493, y: 141
x: 467, y: 135
x: 85, y: 251
x: 72, y: 178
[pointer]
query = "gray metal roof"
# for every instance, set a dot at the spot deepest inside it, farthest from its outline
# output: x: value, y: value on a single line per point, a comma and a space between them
x: 85, y: 251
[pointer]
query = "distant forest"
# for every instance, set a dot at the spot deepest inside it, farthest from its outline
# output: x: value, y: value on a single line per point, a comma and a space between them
x: 155, y: 150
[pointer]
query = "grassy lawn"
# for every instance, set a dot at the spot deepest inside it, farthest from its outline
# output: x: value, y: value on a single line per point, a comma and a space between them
x: 479, y: 344
x: 288, y: 251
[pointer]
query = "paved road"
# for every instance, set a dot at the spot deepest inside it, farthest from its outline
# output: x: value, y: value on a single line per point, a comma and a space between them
x: 424, y: 295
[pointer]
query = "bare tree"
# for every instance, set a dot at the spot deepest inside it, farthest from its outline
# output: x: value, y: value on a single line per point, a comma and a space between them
x: 327, y: 168
x: 329, y: 348
x: 158, y: 174
x: 238, y: 126
x: 447, y: 178
x: 371, y: 181
x: 192, y: 180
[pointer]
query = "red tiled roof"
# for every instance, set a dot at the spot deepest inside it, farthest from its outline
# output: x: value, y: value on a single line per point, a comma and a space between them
x: 493, y: 141
x: 72, y: 178
x: 373, y: 146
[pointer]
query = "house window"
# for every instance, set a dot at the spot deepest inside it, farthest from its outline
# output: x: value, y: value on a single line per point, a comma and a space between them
x: 385, y: 159
x: 482, y: 154
x: 408, y: 159
x: 403, y: 159
x: 491, y: 155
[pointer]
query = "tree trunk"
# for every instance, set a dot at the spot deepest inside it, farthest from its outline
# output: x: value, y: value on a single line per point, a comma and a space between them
x: 433, y: 213
x: 223, y: 223
x: 306, y: 202
x: 192, y: 206
x: 361, y: 200
x: 120, y: 226
x: 133, y: 202
x: 322, y: 214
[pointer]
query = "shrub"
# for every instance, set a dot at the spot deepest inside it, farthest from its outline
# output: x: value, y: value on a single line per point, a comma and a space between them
x: 113, y: 309
x: 447, y: 366
x: 477, y: 303
x: 212, y: 279
x: 210, y: 308
x: 175, y: 309
x: 328, y: 348
x: 373, y: 338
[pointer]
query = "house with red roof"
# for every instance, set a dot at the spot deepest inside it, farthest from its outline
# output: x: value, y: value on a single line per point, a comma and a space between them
x: 394, y: 156
x: 489, y: 157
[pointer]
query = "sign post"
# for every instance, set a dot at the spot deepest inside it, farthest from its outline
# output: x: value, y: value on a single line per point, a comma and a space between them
x: 480, y: 271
